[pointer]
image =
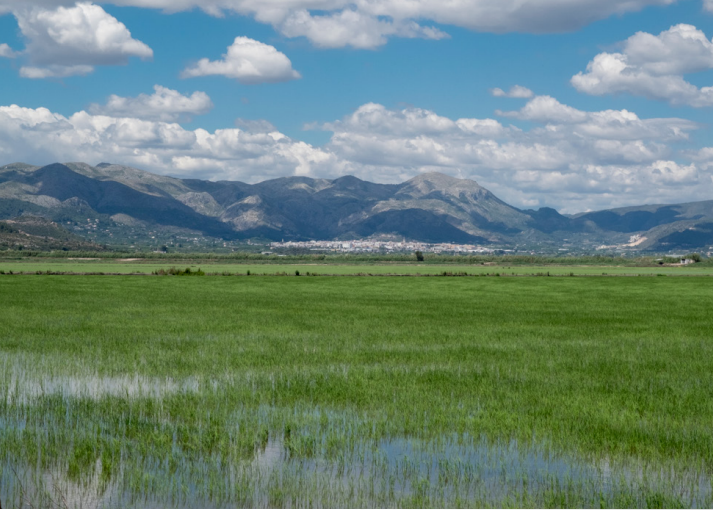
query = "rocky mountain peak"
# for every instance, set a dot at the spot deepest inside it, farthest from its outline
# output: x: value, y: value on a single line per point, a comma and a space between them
x: 428, y: 183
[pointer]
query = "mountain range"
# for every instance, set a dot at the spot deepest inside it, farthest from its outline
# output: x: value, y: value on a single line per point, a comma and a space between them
x: 431, y: 207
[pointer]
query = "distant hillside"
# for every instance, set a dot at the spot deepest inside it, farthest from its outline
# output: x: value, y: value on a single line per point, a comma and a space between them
x: 666, y: 227
x: 34, y: 233
x: 430, y: 207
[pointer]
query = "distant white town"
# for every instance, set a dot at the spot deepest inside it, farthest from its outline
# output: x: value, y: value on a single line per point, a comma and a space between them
x: 366, y: 246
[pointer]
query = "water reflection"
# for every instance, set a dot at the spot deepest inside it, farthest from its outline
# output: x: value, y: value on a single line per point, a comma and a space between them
x: 446, y: 472
x: 24, y: 388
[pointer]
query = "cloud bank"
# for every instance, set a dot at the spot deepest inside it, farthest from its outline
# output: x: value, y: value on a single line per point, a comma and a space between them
x: 571, y: 159
x: 369, y: 23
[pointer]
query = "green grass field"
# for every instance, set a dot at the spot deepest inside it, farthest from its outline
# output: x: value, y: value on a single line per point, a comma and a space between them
x: 149, y: 266
x: 220, y: 391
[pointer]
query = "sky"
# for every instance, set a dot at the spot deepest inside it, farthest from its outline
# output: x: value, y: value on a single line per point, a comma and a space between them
x: 573, y: 104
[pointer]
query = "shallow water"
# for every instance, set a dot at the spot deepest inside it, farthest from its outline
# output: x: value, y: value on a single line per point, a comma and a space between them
x: 24, y: 390
x: 396, y: 472
x: 324, y: 460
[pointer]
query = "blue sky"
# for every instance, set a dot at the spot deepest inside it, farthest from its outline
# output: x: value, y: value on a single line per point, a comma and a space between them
x: 374, y: 88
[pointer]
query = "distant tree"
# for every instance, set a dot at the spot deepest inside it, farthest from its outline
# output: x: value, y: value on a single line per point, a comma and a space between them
x: 4, y: 227
x: 695, y: 257
x: 419, y: 256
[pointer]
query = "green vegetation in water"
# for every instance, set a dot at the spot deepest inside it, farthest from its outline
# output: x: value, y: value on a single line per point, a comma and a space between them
x: 121, y: 391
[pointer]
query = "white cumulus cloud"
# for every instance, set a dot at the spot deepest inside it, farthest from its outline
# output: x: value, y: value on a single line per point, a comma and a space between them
x: 67, y: 41
x: 672, y: 173
x: 6, y: 51
x: 248, y: 61
x: 517, y: 91
x: 547, y: 109
x: 54, y: 71
x: 352, y: 28
x: 164, y: 105
x: 373, y: 118
x: 704, y: 158
x: 654, y: 67
x: 615, y: 125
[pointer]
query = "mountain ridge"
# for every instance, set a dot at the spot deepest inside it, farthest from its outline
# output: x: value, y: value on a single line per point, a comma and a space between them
x: 431, y: 207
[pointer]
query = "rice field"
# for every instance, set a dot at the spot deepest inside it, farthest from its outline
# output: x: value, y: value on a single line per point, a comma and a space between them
x: 118, y: 391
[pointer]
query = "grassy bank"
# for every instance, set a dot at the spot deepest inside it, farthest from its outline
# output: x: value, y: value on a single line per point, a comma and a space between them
x: 342, y: 258
x: 150, y: 266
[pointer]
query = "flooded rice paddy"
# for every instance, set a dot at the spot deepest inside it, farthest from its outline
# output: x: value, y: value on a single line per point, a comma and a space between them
x: 82, y: 457
x: 337, y: 392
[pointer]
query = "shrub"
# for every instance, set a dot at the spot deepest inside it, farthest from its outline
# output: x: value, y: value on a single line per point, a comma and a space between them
x: 4, y: 227
x: 178, y: 272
